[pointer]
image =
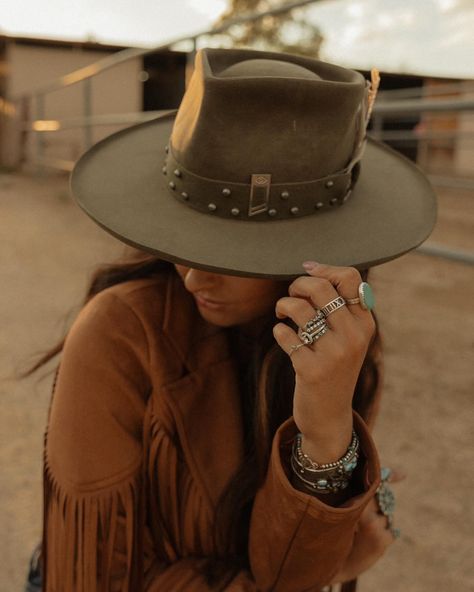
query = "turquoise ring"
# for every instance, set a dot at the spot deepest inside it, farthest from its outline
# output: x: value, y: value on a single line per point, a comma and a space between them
x: 366, y: 297
x: 385, y: 499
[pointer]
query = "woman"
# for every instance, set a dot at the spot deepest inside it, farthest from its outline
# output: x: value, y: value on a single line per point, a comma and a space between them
x: 209, y: 428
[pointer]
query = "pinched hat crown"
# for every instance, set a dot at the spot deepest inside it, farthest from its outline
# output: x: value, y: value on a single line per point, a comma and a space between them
x: 260, y: 137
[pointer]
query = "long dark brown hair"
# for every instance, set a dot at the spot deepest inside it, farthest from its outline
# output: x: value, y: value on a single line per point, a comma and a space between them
x: 266, y: 385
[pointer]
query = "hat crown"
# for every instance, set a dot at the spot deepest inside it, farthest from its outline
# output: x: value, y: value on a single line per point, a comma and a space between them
x: 247, y: 112
x: 259, y: 68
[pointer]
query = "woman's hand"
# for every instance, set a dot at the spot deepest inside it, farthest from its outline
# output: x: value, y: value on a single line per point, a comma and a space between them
x: 326, y: 371
x: 371, y: 541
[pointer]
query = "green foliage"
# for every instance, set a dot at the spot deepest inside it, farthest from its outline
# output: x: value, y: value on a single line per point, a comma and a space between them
x: 284, y: 32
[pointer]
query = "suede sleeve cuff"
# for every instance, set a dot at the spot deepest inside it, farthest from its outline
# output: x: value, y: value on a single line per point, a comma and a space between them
x: 297, y: 542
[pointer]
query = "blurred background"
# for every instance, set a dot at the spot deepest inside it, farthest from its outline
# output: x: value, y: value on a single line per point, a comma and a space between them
x: 72, y: 73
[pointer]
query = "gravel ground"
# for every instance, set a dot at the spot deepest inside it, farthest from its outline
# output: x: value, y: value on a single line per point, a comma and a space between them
x: 47, y: 250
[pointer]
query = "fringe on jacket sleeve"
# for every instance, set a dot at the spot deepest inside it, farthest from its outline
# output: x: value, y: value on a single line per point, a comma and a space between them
x: 93, y: 541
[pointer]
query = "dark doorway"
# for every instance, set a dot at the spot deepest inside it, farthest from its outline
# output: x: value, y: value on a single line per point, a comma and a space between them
x: 164, y: 80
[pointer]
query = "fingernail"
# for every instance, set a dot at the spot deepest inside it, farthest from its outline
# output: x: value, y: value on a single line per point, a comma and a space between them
x: 309, y: 265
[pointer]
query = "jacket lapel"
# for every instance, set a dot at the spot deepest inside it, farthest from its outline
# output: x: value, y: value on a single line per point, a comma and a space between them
x: 205, y: 403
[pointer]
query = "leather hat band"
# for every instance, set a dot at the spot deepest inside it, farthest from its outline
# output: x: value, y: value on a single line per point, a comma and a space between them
x: 260, y: 199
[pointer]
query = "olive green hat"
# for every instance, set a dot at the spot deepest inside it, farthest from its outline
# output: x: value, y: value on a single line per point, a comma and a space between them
x: 265, y: 165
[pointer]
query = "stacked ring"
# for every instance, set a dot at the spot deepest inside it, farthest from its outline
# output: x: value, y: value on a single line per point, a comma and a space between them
x: 313, y: 330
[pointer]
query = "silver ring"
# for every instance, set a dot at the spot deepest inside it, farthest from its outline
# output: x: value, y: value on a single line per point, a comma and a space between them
x: 366, y: 297
x: 294, y: 348
x: 385, y: 499
x: 332, y: 306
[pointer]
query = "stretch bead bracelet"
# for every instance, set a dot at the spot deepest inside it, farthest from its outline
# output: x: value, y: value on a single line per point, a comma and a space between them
x: 328, y: 477
x: 309, y: 463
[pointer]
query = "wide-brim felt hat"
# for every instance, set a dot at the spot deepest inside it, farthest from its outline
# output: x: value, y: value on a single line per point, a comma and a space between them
x: 265, y: 164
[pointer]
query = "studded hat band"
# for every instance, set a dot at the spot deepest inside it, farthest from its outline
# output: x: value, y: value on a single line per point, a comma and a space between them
x: 260, y: 199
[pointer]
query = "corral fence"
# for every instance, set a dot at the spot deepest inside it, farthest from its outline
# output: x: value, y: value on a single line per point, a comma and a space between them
x: 432, y: 123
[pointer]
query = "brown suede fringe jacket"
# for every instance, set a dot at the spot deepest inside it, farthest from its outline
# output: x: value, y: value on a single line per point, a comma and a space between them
x: 144, y: 433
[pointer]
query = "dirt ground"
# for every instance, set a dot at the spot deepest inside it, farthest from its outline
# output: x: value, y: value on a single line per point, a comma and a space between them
x: 47, y: 250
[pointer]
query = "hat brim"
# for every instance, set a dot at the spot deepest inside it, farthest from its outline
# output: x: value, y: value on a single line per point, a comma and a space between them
x: 120, y: 185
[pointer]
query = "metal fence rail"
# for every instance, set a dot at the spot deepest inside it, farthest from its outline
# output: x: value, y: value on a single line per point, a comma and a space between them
x: 56, y: 125
x: 127, y: 54
x: 417, y: 91
x: 389, y: 108
x: 457, y: 255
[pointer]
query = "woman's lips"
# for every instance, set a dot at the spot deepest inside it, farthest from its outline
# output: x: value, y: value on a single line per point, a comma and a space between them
x: 205, y: 303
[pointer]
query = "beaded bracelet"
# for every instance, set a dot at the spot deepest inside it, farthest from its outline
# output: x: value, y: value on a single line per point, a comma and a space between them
x: 328, y: 477
x: 310, y: 464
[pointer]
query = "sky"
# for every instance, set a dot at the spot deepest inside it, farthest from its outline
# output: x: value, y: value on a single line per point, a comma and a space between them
x: 430, y: 37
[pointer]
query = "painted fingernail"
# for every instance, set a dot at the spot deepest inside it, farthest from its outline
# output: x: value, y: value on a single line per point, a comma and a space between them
x: 309, y: 264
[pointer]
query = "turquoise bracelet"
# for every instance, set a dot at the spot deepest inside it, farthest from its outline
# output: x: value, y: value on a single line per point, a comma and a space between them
x: 328, y: 477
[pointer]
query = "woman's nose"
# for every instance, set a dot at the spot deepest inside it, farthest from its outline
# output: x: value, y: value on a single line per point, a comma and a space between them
x: 196, y: 280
